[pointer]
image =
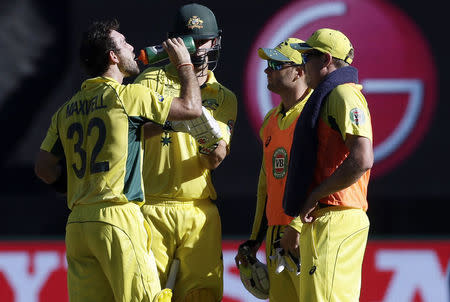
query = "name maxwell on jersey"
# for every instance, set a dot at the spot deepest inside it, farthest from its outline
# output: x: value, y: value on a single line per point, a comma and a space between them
x: 85, y: 106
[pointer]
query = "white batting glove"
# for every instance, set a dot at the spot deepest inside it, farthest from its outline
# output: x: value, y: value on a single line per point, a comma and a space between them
x: 204, y: 129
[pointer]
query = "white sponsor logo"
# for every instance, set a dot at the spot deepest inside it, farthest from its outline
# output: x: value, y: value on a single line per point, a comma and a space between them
x: 25, y: 283
x: 414, y: 270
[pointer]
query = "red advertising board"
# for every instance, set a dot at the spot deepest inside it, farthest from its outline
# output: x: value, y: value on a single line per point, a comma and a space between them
x: 405, y: 271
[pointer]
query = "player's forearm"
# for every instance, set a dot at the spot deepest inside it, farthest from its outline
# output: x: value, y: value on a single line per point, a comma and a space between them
x: 190, y: 92
x: 359, y: 160
x: 46, y: 167
x: 215, y: 158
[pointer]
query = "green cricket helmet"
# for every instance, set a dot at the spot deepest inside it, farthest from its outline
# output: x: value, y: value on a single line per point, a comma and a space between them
x: 199, y: 22
x: 195, y: 20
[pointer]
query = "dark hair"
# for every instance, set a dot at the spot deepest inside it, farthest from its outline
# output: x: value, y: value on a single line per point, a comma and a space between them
x: 96, y: 43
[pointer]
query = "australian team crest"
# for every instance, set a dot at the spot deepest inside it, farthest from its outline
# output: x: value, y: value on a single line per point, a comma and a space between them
x: 195, y: 22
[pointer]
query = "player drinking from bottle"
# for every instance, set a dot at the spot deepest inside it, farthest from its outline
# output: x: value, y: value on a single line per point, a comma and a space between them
x: 97, y: 133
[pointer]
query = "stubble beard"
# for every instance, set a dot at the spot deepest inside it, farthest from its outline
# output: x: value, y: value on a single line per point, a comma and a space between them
x: 128, y: 67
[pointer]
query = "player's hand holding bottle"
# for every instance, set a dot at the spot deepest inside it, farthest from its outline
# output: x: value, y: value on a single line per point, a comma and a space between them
x: 177, y: 51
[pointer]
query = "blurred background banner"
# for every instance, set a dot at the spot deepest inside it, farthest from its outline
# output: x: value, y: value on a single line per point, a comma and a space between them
x: 400, y: 51
x: 393, y: 271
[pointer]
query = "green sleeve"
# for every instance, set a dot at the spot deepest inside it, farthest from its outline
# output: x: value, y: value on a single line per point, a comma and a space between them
x: 260, y: 220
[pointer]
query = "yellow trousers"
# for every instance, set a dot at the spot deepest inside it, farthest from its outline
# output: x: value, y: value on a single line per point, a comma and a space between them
x: 332, y: 251
x: 191, y: 232
x: 285, y: 286
x: 108, y: 255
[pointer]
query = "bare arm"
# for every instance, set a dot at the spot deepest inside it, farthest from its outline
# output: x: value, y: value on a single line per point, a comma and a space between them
x: 215, y: 158
x: 189, y: 104
x: 46, y: 167
x: 359, y: 160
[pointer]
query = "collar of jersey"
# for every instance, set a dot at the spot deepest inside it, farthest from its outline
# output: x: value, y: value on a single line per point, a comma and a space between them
x: 96, y: 80
x: 297, y: 107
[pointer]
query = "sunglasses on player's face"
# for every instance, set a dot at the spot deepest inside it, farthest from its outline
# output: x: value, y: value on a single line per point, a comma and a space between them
x: 277, y: 65
x: 306, y: 56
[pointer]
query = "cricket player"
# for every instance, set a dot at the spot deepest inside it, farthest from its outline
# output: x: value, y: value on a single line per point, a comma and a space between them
x: 97, y: 133
x: 285, y: 77
x: 329, y: 170
x: 185, y: 222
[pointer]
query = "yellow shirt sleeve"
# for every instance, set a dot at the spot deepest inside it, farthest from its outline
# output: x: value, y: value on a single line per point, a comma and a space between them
x: 52, y: 141
x: 225, y: 115
x: 348, y: 110
x: 139, y: 100
x: 297, y: 224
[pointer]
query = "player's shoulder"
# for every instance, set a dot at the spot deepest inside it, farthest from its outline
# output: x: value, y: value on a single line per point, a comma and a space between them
x: 269, y: 113
x: 265, y: 122
x: 63, y: 108
x: 228, y: 99
x: 267, y: 117
x: 219, y: 87
x: 228, y: 92
x: 345, y: 97
x: 346, y: 91
x: 78, y: 96
x: 129, y: 90
x: 150, y: 73
x: 133, y: 93
x: 218, y: 99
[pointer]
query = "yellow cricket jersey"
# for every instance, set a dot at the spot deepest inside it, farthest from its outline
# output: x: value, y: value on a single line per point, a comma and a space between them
x: 173, y: 158
x: 284, y: 121
x: 344, y: 112
x: 98, y: 133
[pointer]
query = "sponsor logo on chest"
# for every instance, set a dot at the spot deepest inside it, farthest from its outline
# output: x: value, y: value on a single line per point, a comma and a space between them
x: 279, y: 163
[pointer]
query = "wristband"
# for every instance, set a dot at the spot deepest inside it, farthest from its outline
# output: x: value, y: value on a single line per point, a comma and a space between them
x: 185, y: 64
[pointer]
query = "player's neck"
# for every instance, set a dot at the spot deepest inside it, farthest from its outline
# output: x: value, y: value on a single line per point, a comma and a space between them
x: 293, y: 97
x: 114, y: 73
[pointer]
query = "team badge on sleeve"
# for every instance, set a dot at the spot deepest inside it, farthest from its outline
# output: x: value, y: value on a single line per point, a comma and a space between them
x: 357, y: 116
x: 160, y: 97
